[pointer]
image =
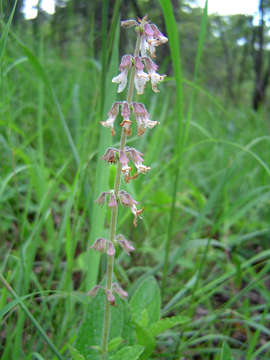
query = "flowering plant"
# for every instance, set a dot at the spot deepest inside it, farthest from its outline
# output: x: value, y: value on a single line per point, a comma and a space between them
x: 131, y: 67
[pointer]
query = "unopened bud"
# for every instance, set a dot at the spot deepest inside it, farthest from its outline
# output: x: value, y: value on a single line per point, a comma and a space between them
x: 122, y: 293
x: 110, y: 249
x: 129, y: 23
x: 99, y: 244
x: 110, y: 297
x: 93, y: 292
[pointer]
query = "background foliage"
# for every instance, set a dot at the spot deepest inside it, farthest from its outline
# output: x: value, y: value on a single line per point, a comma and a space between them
x: 206, y: 198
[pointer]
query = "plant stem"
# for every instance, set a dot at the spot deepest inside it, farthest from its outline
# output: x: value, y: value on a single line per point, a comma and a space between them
x: 110, y: 259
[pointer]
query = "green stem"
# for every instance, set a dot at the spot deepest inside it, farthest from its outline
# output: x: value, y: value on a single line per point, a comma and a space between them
x: 110, y: 259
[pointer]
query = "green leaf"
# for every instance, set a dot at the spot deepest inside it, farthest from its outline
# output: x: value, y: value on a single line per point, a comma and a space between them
x: 147, y: 340
x: 3, y: 39
x: 226, y: 353
x: 128, y: 353
x: 146, y: 298
x: 114, y: 343
x: 166, y: 324
x: 90, y: 332
x: 75, y: 354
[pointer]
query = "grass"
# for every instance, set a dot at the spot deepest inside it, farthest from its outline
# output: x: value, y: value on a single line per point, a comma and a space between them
x: 218, y: 263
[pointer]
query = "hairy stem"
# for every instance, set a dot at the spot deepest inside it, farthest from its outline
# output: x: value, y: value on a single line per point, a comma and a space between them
x: 114, y: 212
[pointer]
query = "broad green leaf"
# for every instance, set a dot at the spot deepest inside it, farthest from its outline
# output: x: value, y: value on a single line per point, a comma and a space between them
x: 114, y: 343
x: 166, y: 324
x: 226, y: 353
x: 146, y: 298
x: 128, y: 353
x: 147, y: 340
x: 90, y: 332
x: 75, y: 354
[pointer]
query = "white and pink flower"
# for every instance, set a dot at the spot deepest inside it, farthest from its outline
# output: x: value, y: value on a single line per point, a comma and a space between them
x: 124, y: 66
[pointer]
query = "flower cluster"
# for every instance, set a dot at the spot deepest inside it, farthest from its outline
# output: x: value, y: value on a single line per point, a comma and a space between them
x: 103, y: 245
x: 124, y: 198
x: 116, y: 288
x: 140, y: 69
x: 127, y: 154
x: 141, y: 115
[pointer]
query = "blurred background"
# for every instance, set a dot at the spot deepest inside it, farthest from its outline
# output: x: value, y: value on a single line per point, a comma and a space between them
x: 205, y: 232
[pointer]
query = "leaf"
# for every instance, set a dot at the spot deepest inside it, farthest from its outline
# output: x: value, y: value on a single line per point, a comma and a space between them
x: 75, y: 354
x: 128, y: 353
x: 147, y: 340
x: 146, y: 298
x: 166, y: 324
x: 4, y: 36
x: 90, y: 332
x: 226, y: 353
x: 114, y: 343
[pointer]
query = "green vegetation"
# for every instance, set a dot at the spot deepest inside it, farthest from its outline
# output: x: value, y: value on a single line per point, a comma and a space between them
x: 206, y: 201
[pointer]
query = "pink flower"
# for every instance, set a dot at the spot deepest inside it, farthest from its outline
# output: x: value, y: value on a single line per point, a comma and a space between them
x: 137, y: 159
x: 151, y: 38
x: 112, y: 114
x: 159, y: 38
x: 124, y: 162
x: 137, y: 213
x: 121, y: 79
x: 154, y: 76
x: 118, y: 290
x: 142, y: 118
x: 112, y: 201
x: 127, y: 200
x: 99, y: 244
x: 102, y: 197
x: 110, y: 249
x: 109, y: 155
x: 124, y: 243
x: 110, y: 297
x: 93, y: 292
x: 141, y: 77
x: 126, y: 123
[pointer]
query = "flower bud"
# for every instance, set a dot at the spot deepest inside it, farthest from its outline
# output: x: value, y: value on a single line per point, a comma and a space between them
x: 102, y: 198
x: 99, y: 245
x: 112, y: 114
x: 119, y: 291
x: 125, y: 244
x: 109, y: 155
x: 110, y: 249
x: 129, y: 23
x: 112, y: 201
x: 110, y: 297
x: 93, y: 292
